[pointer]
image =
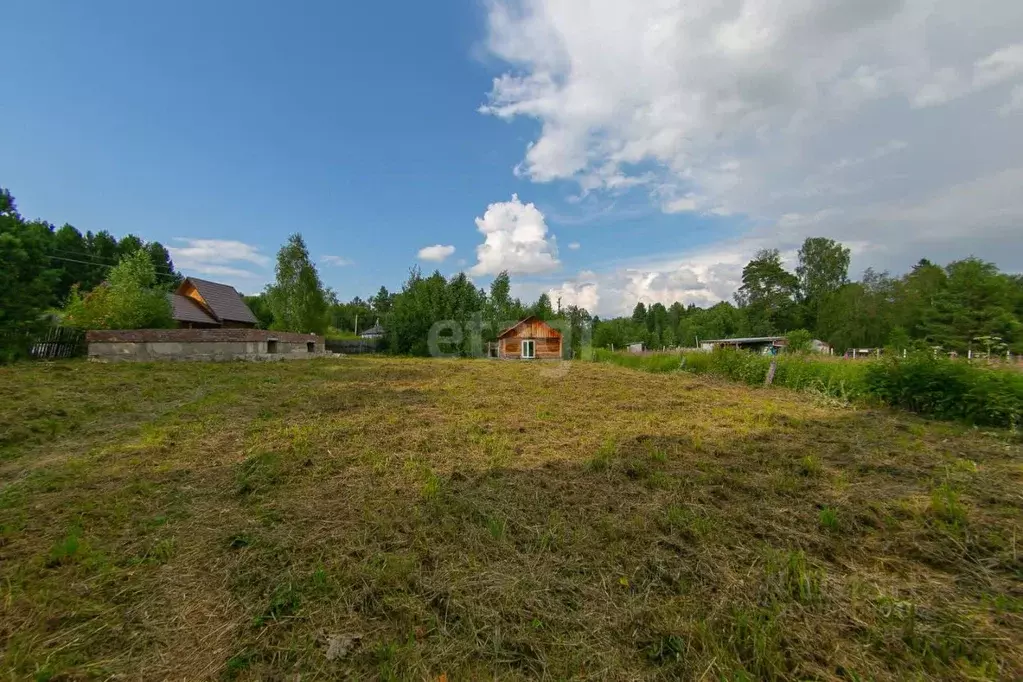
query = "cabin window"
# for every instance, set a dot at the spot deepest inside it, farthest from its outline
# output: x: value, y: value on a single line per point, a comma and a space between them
x: 271, y: 346
x: 310, y: 346
x: 529, y: 349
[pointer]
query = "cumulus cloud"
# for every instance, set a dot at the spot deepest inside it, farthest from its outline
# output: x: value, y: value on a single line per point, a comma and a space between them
x: 846, y: 118
x: 215, y: 257
x: 579, y: 292
x: 515, y: 239
x: 337, y: 261
x: 436, y: 253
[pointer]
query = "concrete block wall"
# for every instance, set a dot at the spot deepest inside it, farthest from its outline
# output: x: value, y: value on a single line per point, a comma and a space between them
x: 201, y: 344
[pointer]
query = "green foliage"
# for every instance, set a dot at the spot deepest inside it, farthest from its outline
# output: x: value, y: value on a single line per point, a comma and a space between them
x: 26, y: 276
x: 828, y: 517
x: 768, y: 294
x: 938, y: 387
x: 297, y: 300
x: 129, y: 299
x: 259, y: 307
x: 799, y: 341
x: 823, y: 269
x: 949, y: 389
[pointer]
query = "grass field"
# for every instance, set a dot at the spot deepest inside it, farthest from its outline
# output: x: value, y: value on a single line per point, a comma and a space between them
x: 428, y: 519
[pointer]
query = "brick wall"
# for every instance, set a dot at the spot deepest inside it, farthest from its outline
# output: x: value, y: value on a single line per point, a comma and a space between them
x: 197, y: 336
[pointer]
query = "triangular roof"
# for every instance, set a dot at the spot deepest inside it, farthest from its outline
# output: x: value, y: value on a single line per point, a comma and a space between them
x: 222, y: 300
x: 525, y: 320
x: 185, y: 309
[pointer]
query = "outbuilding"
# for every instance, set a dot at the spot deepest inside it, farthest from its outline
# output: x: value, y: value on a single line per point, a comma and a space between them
x: 529, y: 339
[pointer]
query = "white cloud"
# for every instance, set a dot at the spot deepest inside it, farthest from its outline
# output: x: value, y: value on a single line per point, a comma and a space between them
x: 217, y: 251
x: 1015, y: 102
x: 797, y: 116
x: 578, y: 293
x: 337, y: 261
x: 515, y: 240
x: 436, y: 253
x: 574, y: 246
x: 214, y: 257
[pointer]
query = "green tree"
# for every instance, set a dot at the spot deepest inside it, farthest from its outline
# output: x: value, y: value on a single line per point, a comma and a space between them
x: 639, y: 314
x: 768, y: 293
x: 27, y: 278
x: 258, y: 305
x: 128, y: 299
x: 974, y: 301
x: 542, y: 308
x: 823, y: 268
x: 103, y: 254
x: 71, y: 259
x: 297, y: 299
x: 382, y: 302
x: 799, y: 341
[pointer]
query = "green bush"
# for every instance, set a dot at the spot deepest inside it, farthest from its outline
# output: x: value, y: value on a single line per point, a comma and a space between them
x: 128, y: 299
x: 949, y: 389
x: 938, y: 387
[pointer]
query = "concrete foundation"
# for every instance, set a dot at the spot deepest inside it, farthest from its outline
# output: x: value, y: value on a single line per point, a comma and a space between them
x: 145, y: 345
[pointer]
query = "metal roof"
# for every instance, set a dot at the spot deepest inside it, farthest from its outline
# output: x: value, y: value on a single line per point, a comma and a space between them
x: 185, y: 309
x: 747, y: 339
x: 224, y: 301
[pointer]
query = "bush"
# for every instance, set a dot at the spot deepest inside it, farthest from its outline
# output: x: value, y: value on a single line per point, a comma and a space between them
x: 938, y: 387
x: 128, y: 299
x: 949, y: 389
x: 799, y: 341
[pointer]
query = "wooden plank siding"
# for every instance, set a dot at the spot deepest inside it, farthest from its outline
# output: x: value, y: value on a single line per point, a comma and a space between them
x: 546, y: 340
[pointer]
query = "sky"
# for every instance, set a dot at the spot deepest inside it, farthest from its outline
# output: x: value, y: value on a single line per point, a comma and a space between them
x: 604, y: 152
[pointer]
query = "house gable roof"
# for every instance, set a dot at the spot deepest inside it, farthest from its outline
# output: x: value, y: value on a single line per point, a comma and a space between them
x: 185, y: 309
x: 531, y: 318
x: 223, y: 300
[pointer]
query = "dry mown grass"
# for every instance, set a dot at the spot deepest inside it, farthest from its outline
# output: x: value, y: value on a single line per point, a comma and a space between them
x: 408, y: 519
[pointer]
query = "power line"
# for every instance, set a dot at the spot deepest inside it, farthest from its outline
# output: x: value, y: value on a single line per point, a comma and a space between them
x: 100, y: 260
x: 104, y: 265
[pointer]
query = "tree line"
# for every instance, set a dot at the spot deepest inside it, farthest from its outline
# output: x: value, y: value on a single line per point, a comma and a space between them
x: 966, y: 304
x: 41, y: 265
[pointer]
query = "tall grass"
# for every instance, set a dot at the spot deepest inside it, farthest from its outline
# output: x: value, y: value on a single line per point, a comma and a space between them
x: 939, y: 387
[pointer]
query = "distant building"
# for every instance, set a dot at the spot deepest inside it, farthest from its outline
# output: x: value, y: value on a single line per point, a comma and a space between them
x: 634, y: 347
x: 768, y: 345
x: 529, y: 339
x: 201, y: 304
x: 374, y: 332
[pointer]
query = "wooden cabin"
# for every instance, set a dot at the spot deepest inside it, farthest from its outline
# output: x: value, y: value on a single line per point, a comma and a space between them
x: 201, y: 304
x: 529, y: 339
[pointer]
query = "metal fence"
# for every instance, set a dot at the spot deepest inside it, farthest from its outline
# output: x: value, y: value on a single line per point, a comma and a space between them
x: 353, y: 346
x: 48, y: 344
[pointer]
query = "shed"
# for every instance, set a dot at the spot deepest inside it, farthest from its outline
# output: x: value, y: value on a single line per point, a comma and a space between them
x: 374, y: 332
x: 529, y: 339
x: 761, y: 344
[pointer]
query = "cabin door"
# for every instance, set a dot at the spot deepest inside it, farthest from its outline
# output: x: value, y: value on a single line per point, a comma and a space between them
x: 528, y: 349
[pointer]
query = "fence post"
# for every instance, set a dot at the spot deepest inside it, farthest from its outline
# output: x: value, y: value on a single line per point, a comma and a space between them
x: 770, y: 370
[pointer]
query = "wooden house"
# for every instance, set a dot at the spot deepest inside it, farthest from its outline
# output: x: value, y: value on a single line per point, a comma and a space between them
x: 529, y: 339
x: 201, y: 304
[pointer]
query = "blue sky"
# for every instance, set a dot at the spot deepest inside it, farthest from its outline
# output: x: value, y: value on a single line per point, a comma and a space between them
x: 218, y: 128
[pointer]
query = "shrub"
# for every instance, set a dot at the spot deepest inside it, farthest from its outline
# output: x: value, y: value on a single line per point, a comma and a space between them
x: 128, y: 299
x: 938, y: 387
x: 949, y: 389
x: 799, y: 341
